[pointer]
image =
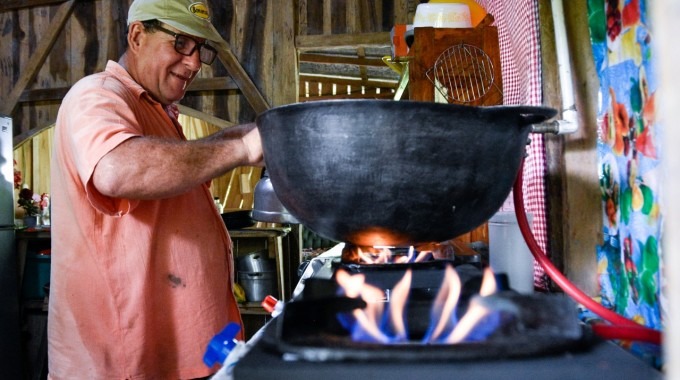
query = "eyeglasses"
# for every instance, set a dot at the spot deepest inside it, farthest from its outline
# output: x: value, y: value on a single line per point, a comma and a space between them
x: 186, y: 45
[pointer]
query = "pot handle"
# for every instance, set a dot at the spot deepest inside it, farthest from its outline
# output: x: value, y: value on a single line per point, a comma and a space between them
x: 534, y: 115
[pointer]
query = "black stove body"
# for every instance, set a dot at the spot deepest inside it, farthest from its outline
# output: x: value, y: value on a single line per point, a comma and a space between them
x: 603, y: 361
x: 544, y: 341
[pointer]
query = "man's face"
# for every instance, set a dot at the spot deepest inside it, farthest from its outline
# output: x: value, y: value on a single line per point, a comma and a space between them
x: 161, y: 70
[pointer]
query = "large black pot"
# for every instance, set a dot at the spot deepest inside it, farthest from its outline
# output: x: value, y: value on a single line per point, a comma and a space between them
x: 381, y: 172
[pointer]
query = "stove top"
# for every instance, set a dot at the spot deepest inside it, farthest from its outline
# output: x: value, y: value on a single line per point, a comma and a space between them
x: 603, y: 361
x: 302, y: 342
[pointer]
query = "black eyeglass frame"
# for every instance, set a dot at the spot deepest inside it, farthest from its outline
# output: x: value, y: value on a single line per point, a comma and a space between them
x: 198, y: 45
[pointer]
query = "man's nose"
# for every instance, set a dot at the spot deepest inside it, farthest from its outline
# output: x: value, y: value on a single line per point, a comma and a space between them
x: 193, y: 61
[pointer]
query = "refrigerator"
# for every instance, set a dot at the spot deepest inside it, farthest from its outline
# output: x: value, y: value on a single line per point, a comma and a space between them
x: 10, y: 322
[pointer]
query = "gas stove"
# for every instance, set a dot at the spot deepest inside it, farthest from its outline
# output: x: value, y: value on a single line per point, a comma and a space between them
x: 602, y: 361
x: 545, y: 341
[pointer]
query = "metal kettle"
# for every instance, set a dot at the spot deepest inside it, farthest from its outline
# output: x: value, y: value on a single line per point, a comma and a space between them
x: 267, y: 206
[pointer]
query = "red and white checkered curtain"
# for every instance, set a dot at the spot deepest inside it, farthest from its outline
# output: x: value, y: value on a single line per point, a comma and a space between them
x: 518, y: 33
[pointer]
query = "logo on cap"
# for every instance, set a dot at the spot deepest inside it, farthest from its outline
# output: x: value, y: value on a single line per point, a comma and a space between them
x: 199, y: 10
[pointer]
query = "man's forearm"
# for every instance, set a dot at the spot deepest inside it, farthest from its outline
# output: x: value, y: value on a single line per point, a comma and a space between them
x: 149, y: 168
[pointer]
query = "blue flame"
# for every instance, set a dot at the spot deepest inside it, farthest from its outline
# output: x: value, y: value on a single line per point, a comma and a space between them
x: 384, y: 331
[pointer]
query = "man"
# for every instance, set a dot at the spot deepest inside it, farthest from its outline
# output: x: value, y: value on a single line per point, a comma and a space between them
x: 142, y: 264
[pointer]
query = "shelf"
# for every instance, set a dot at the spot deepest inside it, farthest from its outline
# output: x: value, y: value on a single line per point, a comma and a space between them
x: 259, y: 232
x: 274, y: 238
x: 33, y: 234
x: 252, y: 308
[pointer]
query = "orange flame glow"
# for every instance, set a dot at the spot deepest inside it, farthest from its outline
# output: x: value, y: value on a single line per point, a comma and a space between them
x: 368, y: 318
x: 489, y: 285
x: 382, y: 255
x: 446, y: 301
x: 474, y: 314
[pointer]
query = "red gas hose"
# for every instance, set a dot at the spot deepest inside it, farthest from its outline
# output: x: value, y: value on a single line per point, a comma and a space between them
x: 622, y: 327
x: 639, y: 333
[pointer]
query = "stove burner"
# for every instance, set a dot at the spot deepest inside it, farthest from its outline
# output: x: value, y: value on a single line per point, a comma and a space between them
x: 309, y: 329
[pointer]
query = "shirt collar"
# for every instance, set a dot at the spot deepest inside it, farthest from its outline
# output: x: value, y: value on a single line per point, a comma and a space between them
x: 115, y: 69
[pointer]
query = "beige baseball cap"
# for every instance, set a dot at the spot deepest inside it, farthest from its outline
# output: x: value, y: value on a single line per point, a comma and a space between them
x: 188, y: 16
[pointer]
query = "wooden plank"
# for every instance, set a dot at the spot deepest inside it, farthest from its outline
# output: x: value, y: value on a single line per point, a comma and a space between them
x: 400, y: 12
x: 10, y: 5
x: 52, y: 73
x: 583, y: 220
x: 327, y: 17
x: 314, y: 16
x: 361, y: 52
x: 374, y: 16
x: 341, y: 40
x: 430, y: 43
x: 212, y: 84
x: 38, y: 58
x: 204, y: 116
x: 24, y: 137
x: 9, y: 67
x: 340, y: 59
x: 243, y: 81
x: 351, y: 71
x: 84, y: 43
x: 556, y: 199
x: 42, y: 152
x: 198, y: 85
x: 107, y: 29
x: 45, y: 94
x: 352, y: 18
x: 302, y: 17
x: 339, y: 17
x: 285, y: 70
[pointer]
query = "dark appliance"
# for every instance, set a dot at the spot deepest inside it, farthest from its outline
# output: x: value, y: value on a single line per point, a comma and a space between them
x: 306, y: 341
x: 10, y: 325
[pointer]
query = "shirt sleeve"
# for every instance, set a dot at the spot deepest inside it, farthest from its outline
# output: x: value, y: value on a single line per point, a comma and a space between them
x: 100, y: 118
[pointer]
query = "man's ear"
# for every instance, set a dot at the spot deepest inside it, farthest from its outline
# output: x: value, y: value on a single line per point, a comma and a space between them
x: 135, y: 35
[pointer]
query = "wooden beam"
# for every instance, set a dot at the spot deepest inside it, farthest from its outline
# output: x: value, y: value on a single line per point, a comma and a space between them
x: 320, y: 41
x: 341, y: 59
x: 22, y: 138
x: 220, y: 123
x: 302, y: 16
x: 9, y: 5
x: 43, y: 95
x: 242, y: 80
x: 327, y: 17
x: 361, y: 51
x: 352, y: 17
x: 212, y: 84
x: 284, y: 74
x: 58, y: 93
x: 39, y: 56
x: 401, y: 12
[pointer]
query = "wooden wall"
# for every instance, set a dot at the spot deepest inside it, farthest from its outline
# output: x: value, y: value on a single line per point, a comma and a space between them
x: 48, y: 45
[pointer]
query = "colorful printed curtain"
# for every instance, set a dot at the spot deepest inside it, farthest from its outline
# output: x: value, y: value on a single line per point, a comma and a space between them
x: 629, y: 159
